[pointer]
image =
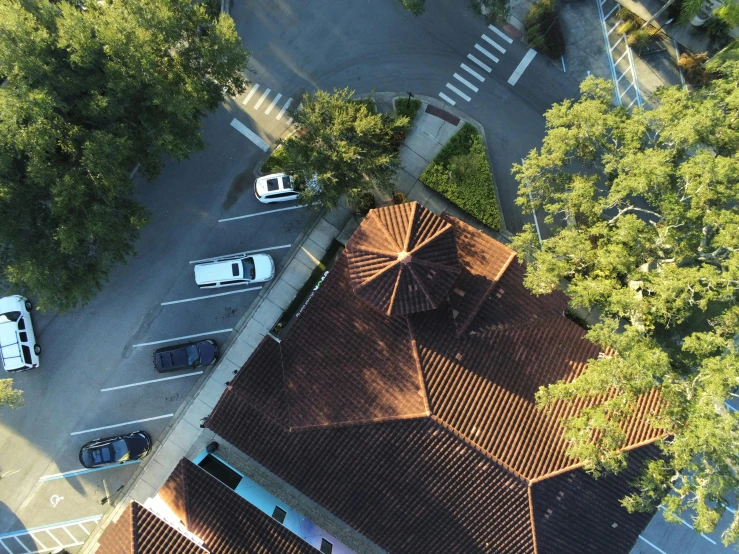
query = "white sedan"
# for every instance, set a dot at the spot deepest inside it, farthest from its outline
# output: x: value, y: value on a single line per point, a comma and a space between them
x: 277, y: 187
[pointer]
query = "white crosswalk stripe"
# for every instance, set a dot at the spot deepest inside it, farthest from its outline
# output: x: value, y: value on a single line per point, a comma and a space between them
x: 284, y: 108
x: 464, y: 81
x: 488, y: 54
x: 459, y: 92
x: 272, y: 105
x: 447, y: 99
x: 264, y: 96
x: 478, y: 62
x: 472, y: 72
x: 501, y: 34
x: 251, y: 93
x: 494, y: 44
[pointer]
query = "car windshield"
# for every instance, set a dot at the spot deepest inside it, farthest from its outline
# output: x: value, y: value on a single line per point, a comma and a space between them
x: 249, y: 269
x: 120, y: 449
x: 10, y: 316
x: 193, y: 355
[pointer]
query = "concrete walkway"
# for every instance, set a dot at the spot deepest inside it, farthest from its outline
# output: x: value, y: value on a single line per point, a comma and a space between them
x: 186, y: 437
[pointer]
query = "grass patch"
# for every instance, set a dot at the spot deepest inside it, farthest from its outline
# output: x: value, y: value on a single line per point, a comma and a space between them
x: 407, y: 109
x: 310, y: 286
x: 275, y: 163
x: 460, y: 172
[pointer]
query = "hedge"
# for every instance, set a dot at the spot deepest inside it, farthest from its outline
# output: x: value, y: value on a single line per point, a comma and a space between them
x: 405, y: 108
x: 460, y: 172
x: 275, y: 163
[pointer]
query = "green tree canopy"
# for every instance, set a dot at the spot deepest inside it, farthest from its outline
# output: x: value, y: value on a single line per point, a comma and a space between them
x: 10, y: 396
x: 91, y: 90
x: 642, y: 209
x: 342, y: 147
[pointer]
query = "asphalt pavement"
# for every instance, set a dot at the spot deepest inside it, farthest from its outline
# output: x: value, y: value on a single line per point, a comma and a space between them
x: 205, y: 207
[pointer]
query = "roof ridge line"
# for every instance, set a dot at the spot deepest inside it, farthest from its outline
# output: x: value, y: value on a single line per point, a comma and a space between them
x: 529, y: 492
x: 523, y: 325
x: 409, y: 231
x: 522, y: 478
x: 378, y: 274
x: 435, y: 236
x: 390, y: 304
x: 421, y: 284
x: 419, y: 365
x: 383, y: 228
x: 360, y: 422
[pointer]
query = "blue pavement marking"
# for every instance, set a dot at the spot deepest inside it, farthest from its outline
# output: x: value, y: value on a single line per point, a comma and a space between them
x: 77, y: 472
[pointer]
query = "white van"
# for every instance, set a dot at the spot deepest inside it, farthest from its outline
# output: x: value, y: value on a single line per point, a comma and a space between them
x: 231, y: 271
x: 18, y: 348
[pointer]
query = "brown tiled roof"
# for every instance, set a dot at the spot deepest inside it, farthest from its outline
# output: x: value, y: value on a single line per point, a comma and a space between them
x: 223, y: 520
x: 139, y: 531
x: 481, y: 356
x: 403, y: 259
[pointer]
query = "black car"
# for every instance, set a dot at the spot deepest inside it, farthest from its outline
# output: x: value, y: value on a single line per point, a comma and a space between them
x: 115, y: 450
x: 182, y: 356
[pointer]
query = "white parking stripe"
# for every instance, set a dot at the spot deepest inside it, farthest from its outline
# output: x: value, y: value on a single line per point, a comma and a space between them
x: 494, y: 44
x: 657, y: 548
x: 289, y: 121
x: 76, y: 472
x: 182, y: 338
x: 194, y: 298
x: 251, y: 93
x: 478, y: 62
x: 272, y: 105
x: 122, y: 424
x: 459, y: 92
x: 523, y: 64
x: 152, y: 381
x: 488, y: 54
x: 259, y: 103
x: 248, y: 133
x: 464, y: 81
x: 474, y: 73
x: 260, y: 213
x: 447, y: 99
x: 284, y: 108
x: 501, y: 34
x: 236, y: 254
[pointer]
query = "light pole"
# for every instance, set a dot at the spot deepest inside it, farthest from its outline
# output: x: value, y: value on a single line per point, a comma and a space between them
x: 410, y: 95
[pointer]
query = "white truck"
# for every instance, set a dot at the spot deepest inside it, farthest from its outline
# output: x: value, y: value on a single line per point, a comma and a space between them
x: 18, y: 348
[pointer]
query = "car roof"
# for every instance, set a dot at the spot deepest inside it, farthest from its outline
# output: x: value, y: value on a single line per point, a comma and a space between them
x: 274, y: 183
x: 11, y: 304
x: 10, y: 350
x: 218, y: 271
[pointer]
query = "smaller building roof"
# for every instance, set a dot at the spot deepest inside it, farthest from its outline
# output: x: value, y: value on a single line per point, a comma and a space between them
x: 403, y: 260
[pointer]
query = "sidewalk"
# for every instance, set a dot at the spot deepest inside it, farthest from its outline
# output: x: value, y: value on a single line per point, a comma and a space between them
x: 186, y: 437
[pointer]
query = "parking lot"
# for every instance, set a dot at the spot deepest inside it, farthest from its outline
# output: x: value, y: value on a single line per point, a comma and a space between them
x: 96, y: 377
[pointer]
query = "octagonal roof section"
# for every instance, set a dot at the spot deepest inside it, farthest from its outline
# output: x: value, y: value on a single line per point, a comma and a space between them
x: 403, y: 259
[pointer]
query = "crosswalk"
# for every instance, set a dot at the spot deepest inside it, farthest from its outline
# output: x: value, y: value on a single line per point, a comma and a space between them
x: 49, y: 538
x: 481, y: 59
x: 257, y: 98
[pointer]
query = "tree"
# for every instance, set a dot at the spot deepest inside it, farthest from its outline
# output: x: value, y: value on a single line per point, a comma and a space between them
x: 91, y: 90
x: 343, y: 147
x: 642, y: 212
x: 728, y: 11
x: 10, y: 396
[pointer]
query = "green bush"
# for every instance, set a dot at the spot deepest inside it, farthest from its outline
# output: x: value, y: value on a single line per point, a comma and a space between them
x: 460, y: 172
x: 543, y: 30
x: 276, y: 161
x: 212, y: 8
x: 639, y: 39
x: 361, y: 203
x: 407, y: 109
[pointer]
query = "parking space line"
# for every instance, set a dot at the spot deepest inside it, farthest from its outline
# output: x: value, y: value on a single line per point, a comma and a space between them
x: 260, y: 213
x: 191, y: 374
x: 459, y: 92
x: 494, y: 44
x: 284, y: 108
x: 251, y: 93
x: 522, y: 65
x: 236, y: 254
x: 478, y: 62
x: 447, y: 99
x: 272, y: 105
x: 122, y: 424
x: 488, y: 54
x: 182, y: 338
x: 709, y: 539
x: 474, y: 73
x: 501, y: 34
x: 464, y: 81
x: 264, y: 96
x: 657, y: 548
x: 194, y: 298
x: 74, y: 473
x: 9, y: 551
x: 248, y: 133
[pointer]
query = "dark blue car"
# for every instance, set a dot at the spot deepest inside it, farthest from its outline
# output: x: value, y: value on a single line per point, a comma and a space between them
x: 183, y: 356
x: 115, y: 450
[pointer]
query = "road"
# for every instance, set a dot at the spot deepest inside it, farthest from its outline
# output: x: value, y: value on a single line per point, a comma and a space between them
x: 296, y: 46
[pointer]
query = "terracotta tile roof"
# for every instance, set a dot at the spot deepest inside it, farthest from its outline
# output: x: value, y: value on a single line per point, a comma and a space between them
x: 412, y: 486
x: 471, y: 367
x: 402, y: 259
x: 139, y: 531
x: 223, y: 520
